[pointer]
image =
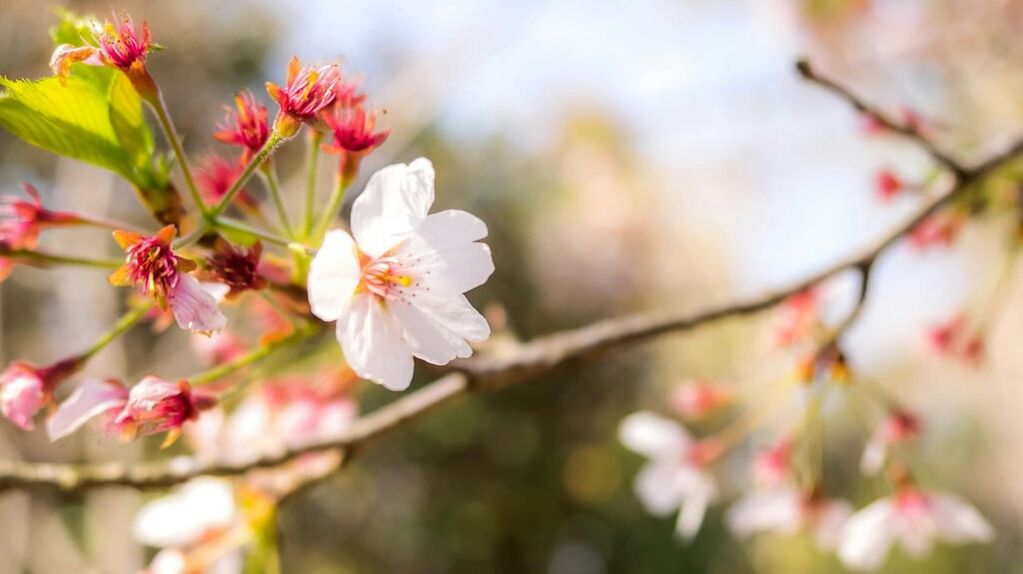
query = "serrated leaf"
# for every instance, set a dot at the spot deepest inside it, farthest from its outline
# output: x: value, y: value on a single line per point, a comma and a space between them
x: 96, y: 117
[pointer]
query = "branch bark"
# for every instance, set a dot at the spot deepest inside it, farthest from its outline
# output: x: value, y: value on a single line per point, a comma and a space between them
x: 519, y: 362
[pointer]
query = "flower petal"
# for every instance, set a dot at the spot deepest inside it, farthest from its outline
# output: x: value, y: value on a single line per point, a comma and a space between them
x: 202, y: 505
x: 428, y: 340
x: 868, y: 535
x: 657, y: 489
x: 959, y: 522
x: 91, y: 398
x: 453, y: 312
x: 654, y: 436
x: 194, y: 308
x: 764, y: 511
x: 442, y: 251
x: 397, y: 198
x: 829, y: 522
x: 333, y: 275
x: 372, y: 342
x: 694, y: 508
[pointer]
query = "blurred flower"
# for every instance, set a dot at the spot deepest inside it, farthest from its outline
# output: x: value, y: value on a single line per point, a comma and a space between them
x: 956, y: 339
x: 676, y: 478
x: 201, y: 514
x: 236, y: 267
x: 396, y: 290
x: 21, y: 221
x: 25, y: 388
x: 788, y: 511
x: 65, y: 55
x: 307, y: 91
x: 23, y: 391
x: 153, y: 268
x: 898, y: 427
x: 914, y: 519
x: 216, y: 175
x: 151, y: 407
x: 698, y: 399
x: 888, y: 184
x: 771, y: 467
x: 797, y: 318
x: 247, y: 126
x: 940, y: 229
x: 222, y: 347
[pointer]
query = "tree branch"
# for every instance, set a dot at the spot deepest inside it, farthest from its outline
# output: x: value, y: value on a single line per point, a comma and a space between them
x: 514, y: 363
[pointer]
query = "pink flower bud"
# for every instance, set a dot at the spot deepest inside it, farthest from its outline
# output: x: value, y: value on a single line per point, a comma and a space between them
x: 940, y: 229
x: 155, y: 406
x: 216, y: 175
x: 797, y: 317
x: 956, y: 339
x: 700, y: 398
x: 771, y: 467
x: 22, y: 393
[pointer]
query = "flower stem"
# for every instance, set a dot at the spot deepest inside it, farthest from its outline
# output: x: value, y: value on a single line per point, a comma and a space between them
x: 221, y: 371
x: 229, y: 224
x: 268, y: 148
x: 331, y: 212
x: 123, y: 324
x: 313, y: 158
x: 160, y: 107
x: 31, y: 256
x: 269, y: 175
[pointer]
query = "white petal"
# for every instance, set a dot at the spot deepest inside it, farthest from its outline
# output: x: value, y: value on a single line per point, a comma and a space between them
x: 763, y: 511
x: 442, y: 251
x: 657, y: 488
x: 333, y: 275
x: 694, y: 508
x: 653, y: 436
x: 397, y: 198
x: 451, y: 311
x: 194, y: 308
x: 93, y: 397
x: 868, y: 536
x: 873, y: 455
x: 428, y: 339
x: 372, y: 342
x: 959, y: 522
x: 829, y: 522
x: 183, y: 517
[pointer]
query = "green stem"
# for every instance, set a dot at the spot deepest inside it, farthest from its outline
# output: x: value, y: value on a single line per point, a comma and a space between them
x: 315, y: 138
x: 268, y: 148
x: 160, y: 107
x: 331, y: 212
x: 269, y: 175
x: 123, y: 324
x: 221, y: 371
x: 32, y: 256
x: 229, y: 224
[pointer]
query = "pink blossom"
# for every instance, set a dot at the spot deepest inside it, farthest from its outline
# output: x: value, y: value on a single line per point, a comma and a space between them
x: 788, y: 511
x: 222, y: 347
x: 771, y: 467
x: 152, y: 406
x: 938, y: 230
x: 307, y: 91
x: 914, y: 519
x: 122, y: 45
x: 153, y: 268
x: 797, y: 317
x: 353, y: 129
x: 216, y: 175
x: 955, y: 338
x: 246, y: 126
x: 700, y: 398
x: 65, y: 55
x: 898, y: 427
x: 23, y: 391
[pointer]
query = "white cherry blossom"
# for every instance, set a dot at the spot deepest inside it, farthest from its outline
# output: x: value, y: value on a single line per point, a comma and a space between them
x: 914, y: 519
x: 396, y: 287
x: 676, y: 478
x: 789, y: 510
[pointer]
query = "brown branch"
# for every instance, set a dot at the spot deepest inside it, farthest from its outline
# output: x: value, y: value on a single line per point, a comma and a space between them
x: 511, y: 364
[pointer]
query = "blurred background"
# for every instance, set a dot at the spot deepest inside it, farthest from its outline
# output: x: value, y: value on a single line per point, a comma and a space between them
x: 627, y: 156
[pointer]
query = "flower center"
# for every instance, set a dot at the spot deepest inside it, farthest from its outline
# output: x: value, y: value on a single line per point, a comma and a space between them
x: 380, y: 276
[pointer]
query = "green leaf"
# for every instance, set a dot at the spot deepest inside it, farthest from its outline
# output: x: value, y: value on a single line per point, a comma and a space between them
x: 71, y: 29
x: 96, y: 117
